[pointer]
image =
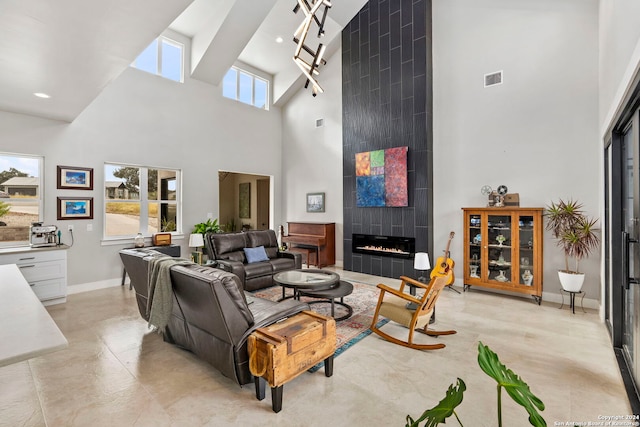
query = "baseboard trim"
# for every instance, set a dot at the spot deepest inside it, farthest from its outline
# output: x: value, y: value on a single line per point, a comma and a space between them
x: 547, y: 297
x: 93, y: 286
x: 558, y: 298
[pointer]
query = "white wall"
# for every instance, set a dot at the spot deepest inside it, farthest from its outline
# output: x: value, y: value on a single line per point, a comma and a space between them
x: 147, y: 120
x: 619, y: 53
x: 526, y: 133
x: 619, y: 62
x: 537, y: 133
x: 312, y: 157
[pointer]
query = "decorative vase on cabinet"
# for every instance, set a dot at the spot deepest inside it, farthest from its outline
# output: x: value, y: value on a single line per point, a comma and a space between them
x: 138, y: 241
x: 505, y: 246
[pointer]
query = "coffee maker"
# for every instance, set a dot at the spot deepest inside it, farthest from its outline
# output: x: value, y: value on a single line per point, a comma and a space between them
x: 42, y: 235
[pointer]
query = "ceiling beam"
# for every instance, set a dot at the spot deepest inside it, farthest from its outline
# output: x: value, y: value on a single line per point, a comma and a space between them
x: 228, y: 40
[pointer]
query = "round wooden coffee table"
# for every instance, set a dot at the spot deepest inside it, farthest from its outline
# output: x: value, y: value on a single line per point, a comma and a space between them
x: 316, y: 283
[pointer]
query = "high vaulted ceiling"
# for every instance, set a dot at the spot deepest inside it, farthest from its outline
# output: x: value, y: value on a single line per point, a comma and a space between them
x: 72, y: 49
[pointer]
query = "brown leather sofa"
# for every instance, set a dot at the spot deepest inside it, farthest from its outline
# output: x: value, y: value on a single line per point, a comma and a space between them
x: 228, y: 250
x: 211, y: 316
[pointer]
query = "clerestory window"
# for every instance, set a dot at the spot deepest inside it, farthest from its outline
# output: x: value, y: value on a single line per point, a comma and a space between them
x: 163, y: 57
x: 246, y: 87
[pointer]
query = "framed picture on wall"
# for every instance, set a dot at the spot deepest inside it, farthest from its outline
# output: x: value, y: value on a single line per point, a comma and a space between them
x: 244, y: 200
x: 315, y: 202
x: 75, y: 208
x: 75, y: 178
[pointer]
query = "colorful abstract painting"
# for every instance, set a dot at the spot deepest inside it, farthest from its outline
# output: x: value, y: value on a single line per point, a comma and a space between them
x: 381, y: 178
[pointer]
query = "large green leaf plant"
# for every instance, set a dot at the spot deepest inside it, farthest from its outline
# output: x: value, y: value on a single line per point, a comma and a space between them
x: 207, y: 227
x: 505, y: 379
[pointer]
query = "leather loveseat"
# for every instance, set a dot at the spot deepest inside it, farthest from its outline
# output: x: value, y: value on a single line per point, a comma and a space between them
x: 229, y: 251
x: 211, y: 315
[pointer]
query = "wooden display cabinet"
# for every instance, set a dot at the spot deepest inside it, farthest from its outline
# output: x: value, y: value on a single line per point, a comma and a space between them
x: 503, y: 249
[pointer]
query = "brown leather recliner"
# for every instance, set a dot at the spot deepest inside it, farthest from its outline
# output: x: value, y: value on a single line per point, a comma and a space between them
x: 228, y: 251
x: 212, y: 316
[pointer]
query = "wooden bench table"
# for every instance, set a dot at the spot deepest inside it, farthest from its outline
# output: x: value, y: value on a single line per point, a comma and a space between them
x: 280, y: 352
x: 306, y: 252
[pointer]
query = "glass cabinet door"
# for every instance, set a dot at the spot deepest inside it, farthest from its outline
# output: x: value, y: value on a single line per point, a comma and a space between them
x: 503, y: 249
x: 525, y: 250
x: 498, y: 245
x: 475, y: 246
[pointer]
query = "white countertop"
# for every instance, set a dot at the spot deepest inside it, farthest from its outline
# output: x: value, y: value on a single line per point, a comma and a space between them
x: 27, y: 248
x: 26, y: 328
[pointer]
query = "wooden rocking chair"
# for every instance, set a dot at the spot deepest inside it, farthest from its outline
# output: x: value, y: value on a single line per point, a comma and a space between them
x: 395, y: 307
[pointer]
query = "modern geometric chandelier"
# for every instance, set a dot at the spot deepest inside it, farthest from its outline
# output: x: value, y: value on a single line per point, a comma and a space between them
x: 309, y: 67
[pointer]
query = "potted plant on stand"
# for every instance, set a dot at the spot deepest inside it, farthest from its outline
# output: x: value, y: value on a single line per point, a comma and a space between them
x: 576, y: 235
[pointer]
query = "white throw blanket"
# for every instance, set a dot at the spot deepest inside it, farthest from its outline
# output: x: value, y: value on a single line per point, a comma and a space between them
x: 160, y: 299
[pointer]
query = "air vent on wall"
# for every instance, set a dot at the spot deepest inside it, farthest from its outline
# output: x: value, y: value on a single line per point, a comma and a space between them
x: 319, y: 123
x: 493, y: 79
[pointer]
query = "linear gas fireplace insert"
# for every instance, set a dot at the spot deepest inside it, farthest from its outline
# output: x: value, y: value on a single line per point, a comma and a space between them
x: 391, y: 246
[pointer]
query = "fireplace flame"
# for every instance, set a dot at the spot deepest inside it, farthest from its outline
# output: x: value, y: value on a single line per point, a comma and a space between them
x: 382, y: 249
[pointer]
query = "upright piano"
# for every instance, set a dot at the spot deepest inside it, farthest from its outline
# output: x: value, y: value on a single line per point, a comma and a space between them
x: 320, y: 236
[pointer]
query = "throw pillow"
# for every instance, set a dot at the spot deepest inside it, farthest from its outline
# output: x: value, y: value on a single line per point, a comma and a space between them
x: 256, y: 254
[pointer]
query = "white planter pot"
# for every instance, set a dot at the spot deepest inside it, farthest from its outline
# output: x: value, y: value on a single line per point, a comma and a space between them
x: 571, y: 282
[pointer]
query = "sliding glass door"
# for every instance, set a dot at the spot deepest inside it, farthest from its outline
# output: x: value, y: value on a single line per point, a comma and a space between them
x: 621, y: 237
x: 631, y: 250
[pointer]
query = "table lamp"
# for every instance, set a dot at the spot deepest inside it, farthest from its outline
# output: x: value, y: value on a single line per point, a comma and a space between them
x: 196, y: 240
x: 421, y: 263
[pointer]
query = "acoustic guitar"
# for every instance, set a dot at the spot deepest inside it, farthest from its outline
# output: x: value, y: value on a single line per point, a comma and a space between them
x: 444, y: 264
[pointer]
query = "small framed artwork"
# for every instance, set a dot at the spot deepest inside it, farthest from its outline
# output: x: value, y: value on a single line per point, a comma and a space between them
x: 75, y: 208
x: 244, y: 200
x: 74, y: 178
x: 196, y: 257
x: 315, y: 202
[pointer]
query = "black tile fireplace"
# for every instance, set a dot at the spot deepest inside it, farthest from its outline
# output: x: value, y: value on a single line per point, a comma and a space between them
x: 391, y: 246
x: 387, y: 102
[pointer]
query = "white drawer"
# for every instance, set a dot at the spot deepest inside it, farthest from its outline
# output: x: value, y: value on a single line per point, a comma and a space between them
x: 44, y: 268
x: 29, y: 257
x: 36, y: 271
x: 49, y: 289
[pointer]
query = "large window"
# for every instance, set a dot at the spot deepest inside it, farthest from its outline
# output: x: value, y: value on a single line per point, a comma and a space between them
x: 141, y: 199
x: 20, y: 197
x: 246, y: 87
x: 163, y: 57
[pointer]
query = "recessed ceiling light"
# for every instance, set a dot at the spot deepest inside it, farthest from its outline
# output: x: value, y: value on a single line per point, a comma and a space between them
x: 279, y: 39
x: 42, y: 95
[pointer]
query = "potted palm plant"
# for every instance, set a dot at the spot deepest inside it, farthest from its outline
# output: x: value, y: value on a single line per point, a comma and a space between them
x: 576, y: 234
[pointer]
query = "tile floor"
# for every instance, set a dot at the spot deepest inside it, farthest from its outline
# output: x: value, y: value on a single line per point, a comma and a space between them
x: 118, y: 373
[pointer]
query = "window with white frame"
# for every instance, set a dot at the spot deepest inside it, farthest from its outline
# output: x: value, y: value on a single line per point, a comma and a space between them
x: 21, y: 204
x: 246, y: 87
x: 163, y: 57
x: 141, y: 199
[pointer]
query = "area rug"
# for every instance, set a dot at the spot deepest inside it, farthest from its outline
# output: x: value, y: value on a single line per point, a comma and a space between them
x: 363, y: 300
